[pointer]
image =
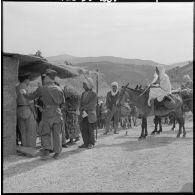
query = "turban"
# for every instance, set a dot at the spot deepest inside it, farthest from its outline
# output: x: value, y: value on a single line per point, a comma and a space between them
x: 89, y: 82
x: 114, y: 84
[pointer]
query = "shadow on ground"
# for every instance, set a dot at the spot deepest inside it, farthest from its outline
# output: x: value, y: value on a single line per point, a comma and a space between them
x: 149, y: 142
x: 28, y: 166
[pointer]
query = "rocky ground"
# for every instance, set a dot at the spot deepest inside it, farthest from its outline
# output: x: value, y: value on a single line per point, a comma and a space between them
x: 118, y: 163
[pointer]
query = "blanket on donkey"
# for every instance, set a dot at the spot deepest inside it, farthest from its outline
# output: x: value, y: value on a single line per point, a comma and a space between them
x: 170, y: 101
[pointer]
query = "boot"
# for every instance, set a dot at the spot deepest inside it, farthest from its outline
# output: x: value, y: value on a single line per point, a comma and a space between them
x: 45, y: 154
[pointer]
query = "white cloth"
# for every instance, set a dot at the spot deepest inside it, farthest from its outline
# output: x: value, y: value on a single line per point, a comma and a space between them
x: 89, y: 82
x: 157, y: 93
x: 155, y: 77
x: 114, y: 84
x: 164, y: 89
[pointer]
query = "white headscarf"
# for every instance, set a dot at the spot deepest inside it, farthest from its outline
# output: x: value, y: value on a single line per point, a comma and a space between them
x: 114, y: 84
x: 89, y: 82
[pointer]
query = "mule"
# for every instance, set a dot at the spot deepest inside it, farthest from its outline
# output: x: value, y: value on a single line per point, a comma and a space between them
x: 163, y: 108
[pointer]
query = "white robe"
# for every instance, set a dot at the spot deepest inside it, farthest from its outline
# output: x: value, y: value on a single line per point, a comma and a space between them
x: 164, y: 88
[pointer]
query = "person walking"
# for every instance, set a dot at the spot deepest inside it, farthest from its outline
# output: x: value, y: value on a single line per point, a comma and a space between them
x: 52, y: 121
x: 88, y: 114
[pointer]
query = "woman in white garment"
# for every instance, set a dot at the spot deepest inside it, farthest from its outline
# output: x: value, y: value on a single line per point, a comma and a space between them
x: 160, y: 86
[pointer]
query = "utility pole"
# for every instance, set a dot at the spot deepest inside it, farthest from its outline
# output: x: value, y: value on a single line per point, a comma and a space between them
x: 97, y: 101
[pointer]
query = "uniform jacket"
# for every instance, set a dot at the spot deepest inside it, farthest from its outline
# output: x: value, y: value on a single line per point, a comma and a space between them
x: 52, y: 97
x: 88, y: 104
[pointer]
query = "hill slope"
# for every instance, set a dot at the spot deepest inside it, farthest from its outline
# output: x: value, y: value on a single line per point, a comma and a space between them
x: 75, y: 60
x: 122, y: 73
x: 179, y: 64
x: 176, y: 74
x: 60, y: 58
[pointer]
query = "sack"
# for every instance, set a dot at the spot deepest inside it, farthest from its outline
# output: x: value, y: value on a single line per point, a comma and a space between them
x: 23, y: 112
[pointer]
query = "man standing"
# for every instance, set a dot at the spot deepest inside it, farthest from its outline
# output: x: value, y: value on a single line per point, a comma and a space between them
x: 113, y: 111
x: 26, y: 114
x: 52, y: 120
x: 88, y: 114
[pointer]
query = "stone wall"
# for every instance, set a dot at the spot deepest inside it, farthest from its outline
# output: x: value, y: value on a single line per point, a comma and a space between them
x: 10, y: 77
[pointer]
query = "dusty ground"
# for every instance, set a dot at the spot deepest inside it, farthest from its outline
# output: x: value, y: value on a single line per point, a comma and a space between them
x: 118, y: 163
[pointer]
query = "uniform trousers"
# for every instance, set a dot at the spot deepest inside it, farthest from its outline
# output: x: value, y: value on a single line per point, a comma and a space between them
x: 52, y: 136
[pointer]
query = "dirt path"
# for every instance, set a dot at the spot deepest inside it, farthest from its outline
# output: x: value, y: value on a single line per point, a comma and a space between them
x: 118, y: 163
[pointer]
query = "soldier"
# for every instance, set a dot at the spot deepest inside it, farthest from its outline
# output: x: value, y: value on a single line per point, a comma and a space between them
x: 52, y: 120
x: 26, y: 114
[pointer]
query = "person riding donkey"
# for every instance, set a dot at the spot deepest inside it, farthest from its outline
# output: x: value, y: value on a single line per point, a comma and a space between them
x: 159, y: 88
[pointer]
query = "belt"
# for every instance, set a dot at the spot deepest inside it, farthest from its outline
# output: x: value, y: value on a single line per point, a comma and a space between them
x: 21, y: 105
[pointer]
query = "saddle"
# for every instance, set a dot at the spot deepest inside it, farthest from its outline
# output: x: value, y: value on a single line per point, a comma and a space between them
x: 168, y: 102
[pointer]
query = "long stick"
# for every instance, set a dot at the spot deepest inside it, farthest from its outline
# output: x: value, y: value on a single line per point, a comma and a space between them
x: 97, y: 102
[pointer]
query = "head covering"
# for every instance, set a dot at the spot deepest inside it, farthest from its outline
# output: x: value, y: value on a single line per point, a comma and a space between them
x: 187, y: 78
x: 101, y: 102
x: 89, y: 82
x: 161, y: 69
x: 114, y: 84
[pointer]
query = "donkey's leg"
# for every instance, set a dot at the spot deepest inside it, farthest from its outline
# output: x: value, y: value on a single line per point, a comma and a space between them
x: 142, y: 131
x: 155, y: 125
x: 146, y: 127
x: 180, y: 126
x: 174, y: 121
x: 184, y: 130
x: 160, y: 125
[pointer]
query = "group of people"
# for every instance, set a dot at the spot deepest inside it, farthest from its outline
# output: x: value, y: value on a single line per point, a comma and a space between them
x: 60, y: 113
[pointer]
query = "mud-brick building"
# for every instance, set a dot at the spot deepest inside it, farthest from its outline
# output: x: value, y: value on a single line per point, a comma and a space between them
x: 13, y: 65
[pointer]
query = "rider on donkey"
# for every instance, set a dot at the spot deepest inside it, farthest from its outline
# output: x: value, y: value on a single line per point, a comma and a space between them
x: 160, y: 87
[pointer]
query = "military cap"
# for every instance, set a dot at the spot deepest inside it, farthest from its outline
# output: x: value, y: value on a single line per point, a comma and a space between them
x: 50, y: 72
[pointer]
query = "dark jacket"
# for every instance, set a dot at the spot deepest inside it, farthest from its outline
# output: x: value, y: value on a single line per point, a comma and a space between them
x: 88, y: 104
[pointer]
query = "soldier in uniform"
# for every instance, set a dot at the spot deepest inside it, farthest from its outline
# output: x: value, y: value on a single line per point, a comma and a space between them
x: 26, y: 114
x: 52, y: 120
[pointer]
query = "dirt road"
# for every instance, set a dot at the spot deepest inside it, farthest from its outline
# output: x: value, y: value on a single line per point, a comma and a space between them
x: 118, y: 163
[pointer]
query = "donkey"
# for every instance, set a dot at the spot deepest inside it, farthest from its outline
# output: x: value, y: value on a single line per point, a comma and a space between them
x: 139, y: 99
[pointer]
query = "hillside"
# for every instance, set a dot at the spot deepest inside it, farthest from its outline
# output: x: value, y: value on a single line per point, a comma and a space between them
x: 60, y: 58
x: 179, y: 64
x: 122, y: 73
x: 176, y: 74
x: 75, y: 60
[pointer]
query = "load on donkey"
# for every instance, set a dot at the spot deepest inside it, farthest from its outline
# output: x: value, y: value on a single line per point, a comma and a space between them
x: 169, y: 103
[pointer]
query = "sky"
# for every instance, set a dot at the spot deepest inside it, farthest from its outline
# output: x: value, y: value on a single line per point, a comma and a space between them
x: 162, y: 32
